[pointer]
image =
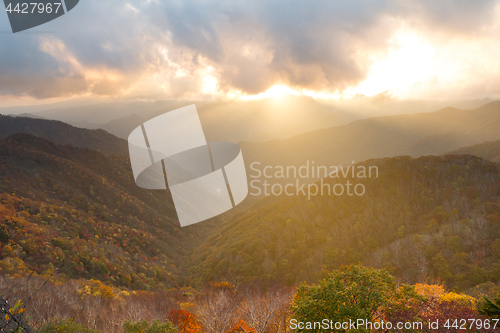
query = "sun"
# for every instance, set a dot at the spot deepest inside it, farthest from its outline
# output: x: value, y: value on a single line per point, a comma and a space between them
x: 277, y: 91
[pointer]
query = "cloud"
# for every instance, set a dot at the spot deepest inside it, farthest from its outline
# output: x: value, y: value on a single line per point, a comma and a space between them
x: 453, y: 16
x: 166, y: 48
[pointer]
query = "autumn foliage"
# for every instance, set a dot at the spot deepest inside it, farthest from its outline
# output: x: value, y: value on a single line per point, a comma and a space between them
x: 185, y: 321
x: 241, y: 327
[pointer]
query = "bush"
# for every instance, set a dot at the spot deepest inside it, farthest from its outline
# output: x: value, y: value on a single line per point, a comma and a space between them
x: 144, y: 327
x: 65, y: 326
x: 491, y: 308
x: 351, y: 293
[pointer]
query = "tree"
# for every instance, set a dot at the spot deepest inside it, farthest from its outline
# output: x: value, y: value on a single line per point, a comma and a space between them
x: 242, y: 327
x: 216, y: 309
x: 491, y: 308
x: 351, y: 293
x: 145, y: 327
x: 439, y: 306
x: 185, y: 321
x: 264, y: 310
x: 96, y: 288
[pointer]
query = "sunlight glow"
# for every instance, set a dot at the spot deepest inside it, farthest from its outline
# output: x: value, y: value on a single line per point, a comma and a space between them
x: 209, y: 83
x: 410, y: 60
x: 275, y: 91
x: 281, y: 90
x: 413, y: 64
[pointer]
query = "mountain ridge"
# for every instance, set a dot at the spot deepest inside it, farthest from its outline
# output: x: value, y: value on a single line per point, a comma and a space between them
x: 62, y: 133
x: 489, y: 150
x: 381, y: 137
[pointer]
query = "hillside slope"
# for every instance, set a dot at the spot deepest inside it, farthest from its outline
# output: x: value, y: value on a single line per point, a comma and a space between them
x: 80, y: 211
x: 488, y: 150
x: 433, y: 219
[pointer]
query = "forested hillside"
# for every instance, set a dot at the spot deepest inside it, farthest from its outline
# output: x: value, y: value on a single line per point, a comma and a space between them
x: 488, y: 150
x: 77, y: 215
x: 80, y: 212
x: 62, y: 133
x: 431, y: 219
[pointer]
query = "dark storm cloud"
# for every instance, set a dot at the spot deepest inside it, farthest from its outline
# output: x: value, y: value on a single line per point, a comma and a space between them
x: 105, y: 47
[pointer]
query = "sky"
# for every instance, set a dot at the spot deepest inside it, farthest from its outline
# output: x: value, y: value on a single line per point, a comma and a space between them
x: 153, y: 49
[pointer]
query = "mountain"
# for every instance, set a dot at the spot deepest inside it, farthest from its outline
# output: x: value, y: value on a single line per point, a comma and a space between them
x: 487, y: 150
x: 122, y: 126
x: 256, y: 121
x: 431, y: 219
x: 26, y: 115
x: 233, y: 120
x: 436, y: 144
x: 268, y: 119
x: 414, y: 135
x: 61, y: 133
x: 81, y: 101
x: 80, y: 211
x: 96, y: 115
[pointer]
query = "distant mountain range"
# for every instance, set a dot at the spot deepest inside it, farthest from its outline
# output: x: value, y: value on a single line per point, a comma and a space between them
x: 62, y: 133
x: 234, y: 120
x: 268, y: 119
x: 255, y: 121
x: 27, y: 115
x: 123, y: 125
x: 421, y: 134
x: 432, y: 133
x: 98, y: 114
